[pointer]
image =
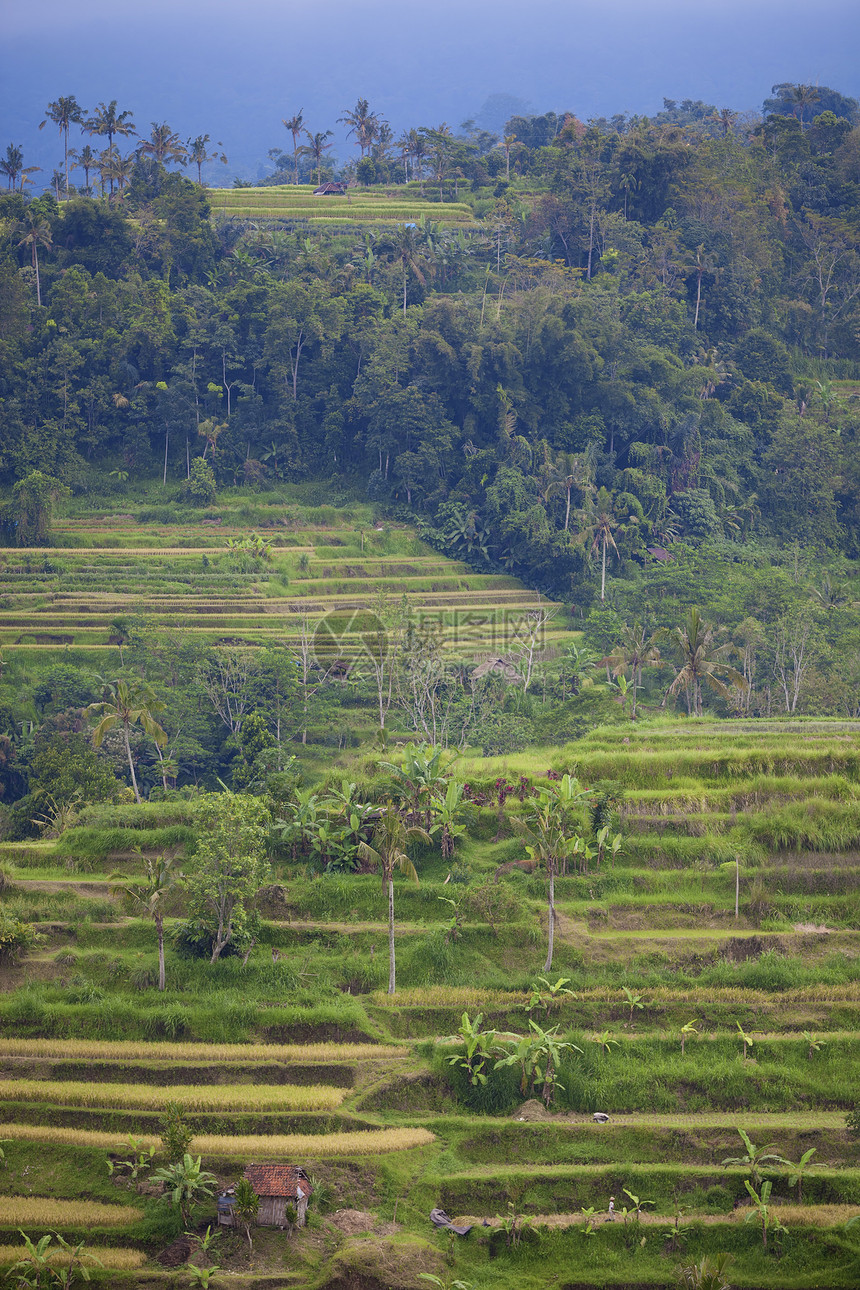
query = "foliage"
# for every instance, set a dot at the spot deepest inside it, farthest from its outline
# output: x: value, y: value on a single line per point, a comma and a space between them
x: 227, y: 870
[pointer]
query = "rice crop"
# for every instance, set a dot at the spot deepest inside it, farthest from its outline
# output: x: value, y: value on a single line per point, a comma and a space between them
x: 116, y: 1259
x: 366, y: 1142
x: 237, y: 1097
x: 48, y: 1211
x: 131, y: 1050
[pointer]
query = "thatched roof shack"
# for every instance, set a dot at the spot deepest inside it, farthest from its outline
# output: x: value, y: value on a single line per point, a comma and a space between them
x: 330, y: 189
x: 278, y: 1186
x: 498, y: 666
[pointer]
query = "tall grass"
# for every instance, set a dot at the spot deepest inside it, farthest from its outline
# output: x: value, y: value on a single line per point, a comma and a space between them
x: 129, y: 1050
x: 303, y: 1146
x: 193, y: 1097
x: 48, y: 1211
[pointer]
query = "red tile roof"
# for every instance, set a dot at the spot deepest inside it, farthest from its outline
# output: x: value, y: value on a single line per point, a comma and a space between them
x: 277, y: 1180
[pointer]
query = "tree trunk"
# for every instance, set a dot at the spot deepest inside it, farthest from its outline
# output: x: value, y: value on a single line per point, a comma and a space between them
x: 166, y: 442
x: 547, y: 967
x: 138, y: 798
x: 391, y: 936
x: 567, y: 513
x: 603, y: 574
x: 38, y: 284
x: 159, y: 927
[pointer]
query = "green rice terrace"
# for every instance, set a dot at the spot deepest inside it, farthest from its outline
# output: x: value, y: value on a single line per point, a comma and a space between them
x: 366, y: 207
x: 207, y: 575
x: 705, y: 981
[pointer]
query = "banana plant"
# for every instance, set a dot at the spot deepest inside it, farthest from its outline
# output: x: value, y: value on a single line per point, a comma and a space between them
x: 633, y: 1000
x: 479, y: 1046
x: 768, y: 1219
x: 606, y: 1043
x: 746, y: 1039
x: 756, y: 1158
x: 687, y: 1030
x: 814, y: 1043
x: 798, y: 1172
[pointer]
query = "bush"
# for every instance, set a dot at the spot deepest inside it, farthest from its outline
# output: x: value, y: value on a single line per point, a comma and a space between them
x: 199, y: 488
x: 16, y: 937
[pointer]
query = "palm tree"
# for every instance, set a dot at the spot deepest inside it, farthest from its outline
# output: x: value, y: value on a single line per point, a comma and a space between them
x: 362, y: 123
x: 164, y: 145
x: 150, y: 898
x: 116, y: 168
x: 87, y: 160
x: 65, y: 111
x: 295, y: 125
x: 548, y: 841
x: 703, y: 263
x: 699, y: 660
x: 635, y: 651
x: 599, y: 525
x: 390, y: 838
x: 35, y: 232
x: 315, y: 148
x: 12, y: 164
x: 129, y: 703
x: 570, y: 470
x: 197, y: 154
x: 802, y: 97
x: 405, y: 244
x: 708, y: 1274
x: 107, y: 121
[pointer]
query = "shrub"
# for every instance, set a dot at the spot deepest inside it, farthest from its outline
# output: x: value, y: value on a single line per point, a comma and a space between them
x: 16, y: 937
x: 199, y: 487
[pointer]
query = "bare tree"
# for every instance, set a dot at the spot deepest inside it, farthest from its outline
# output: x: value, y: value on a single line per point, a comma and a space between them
x: 227, y: 679
x: 794, y: 654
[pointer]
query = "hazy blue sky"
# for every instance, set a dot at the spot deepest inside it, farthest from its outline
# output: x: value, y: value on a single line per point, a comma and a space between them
x: 235, y: 70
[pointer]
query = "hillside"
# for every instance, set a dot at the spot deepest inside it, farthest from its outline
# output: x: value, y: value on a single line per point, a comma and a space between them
x: 90, y: 1052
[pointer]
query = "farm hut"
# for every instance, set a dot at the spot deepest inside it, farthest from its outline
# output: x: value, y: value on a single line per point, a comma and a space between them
x: 226, y: 1201
x: 330, y: 189
x: 278, y: 1186
x: 497, y: 666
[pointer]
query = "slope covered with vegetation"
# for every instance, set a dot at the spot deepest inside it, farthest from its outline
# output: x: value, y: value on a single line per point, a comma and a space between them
x: 429, y: 672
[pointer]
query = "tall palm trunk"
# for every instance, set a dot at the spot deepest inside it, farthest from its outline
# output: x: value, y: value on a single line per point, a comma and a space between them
x: 138, y: 798
x: 547, y: 967
x: 391, y: 935
x: 603, y: 573
x: 159, y: 927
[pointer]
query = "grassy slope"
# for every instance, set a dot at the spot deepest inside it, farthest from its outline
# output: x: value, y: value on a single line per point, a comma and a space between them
x: 781, y: 798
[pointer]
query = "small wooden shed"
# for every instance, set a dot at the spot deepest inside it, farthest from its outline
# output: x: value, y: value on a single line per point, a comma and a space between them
x: 332, y: 188
x: 498, y: 666
x: 277, y: 1186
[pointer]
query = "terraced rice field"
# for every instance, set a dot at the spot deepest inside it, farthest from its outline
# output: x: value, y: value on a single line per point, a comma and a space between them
x: 301, y: 1056
x: 364, y: 207
x: 71, y: 595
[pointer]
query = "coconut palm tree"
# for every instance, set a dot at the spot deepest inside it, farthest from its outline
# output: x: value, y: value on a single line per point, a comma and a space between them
x: 315, y: 148
x: 362, y: 123
x: 295, y: 125
x: 406, y: 246
x: 116, y: 168
x: 802, y: 97
x: 87, y: 160
x: 35, y: 232
x: 128, y: 703
x: 635, y: 651
x: 390, y: 839
x: 150, y: 898
x: 599, y: 524
x: 164, y: 145
x: 12, y: 164
x: 699, y: 661
x: 570, y: 470
x: 196, y: 151
x: 107, y: 121
x: 64, y: 112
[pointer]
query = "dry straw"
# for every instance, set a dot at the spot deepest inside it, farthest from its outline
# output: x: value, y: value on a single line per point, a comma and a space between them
x: 193, y: 1097
x: 133, y: 1050
x: 47, y: 1211
x: 369, y: 1142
